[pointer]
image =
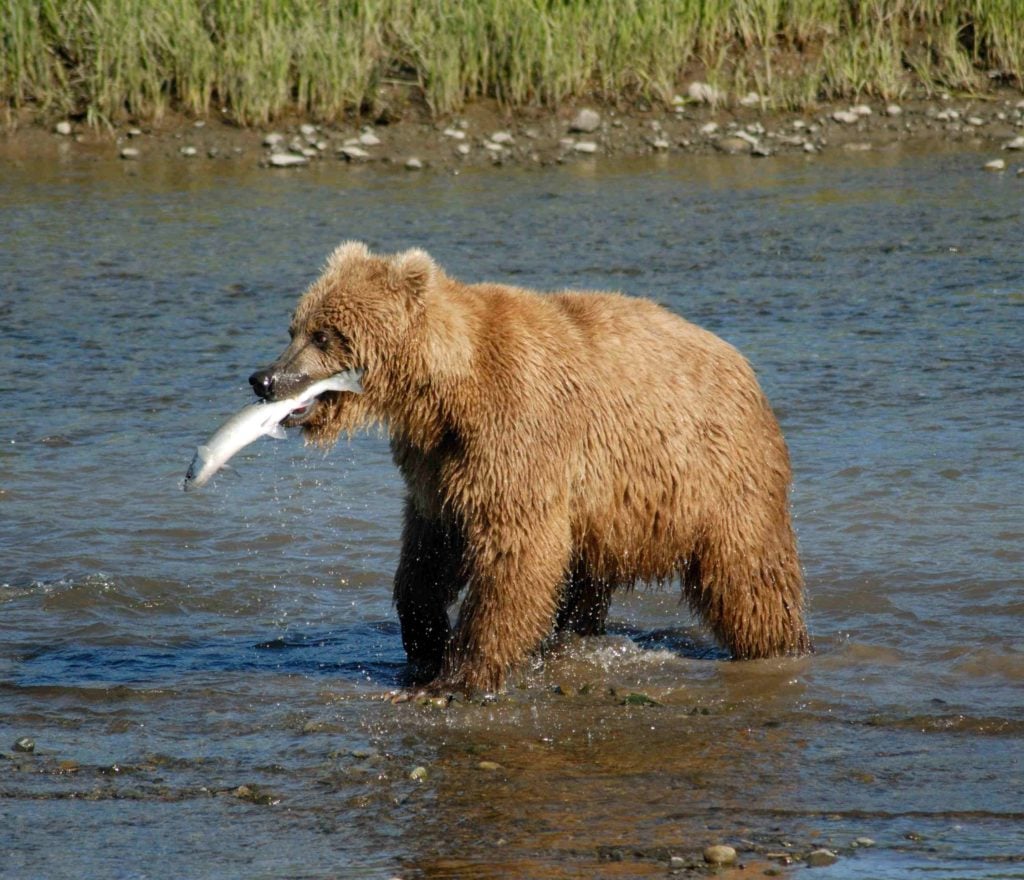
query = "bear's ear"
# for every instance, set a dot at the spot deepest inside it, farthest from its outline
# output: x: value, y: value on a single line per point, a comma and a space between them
x: 413, y: 272
x: 347, y: 250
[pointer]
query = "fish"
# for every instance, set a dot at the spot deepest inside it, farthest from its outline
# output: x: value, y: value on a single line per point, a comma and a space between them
x: 259, y: 420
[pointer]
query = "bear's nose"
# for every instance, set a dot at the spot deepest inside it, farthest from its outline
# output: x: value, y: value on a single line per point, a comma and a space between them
x: 262, y: 382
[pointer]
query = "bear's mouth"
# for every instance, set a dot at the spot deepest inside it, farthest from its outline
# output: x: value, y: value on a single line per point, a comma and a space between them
x: 302, y: 414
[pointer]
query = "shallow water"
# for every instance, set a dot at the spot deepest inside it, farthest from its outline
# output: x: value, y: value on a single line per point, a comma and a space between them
x: 203, y: 674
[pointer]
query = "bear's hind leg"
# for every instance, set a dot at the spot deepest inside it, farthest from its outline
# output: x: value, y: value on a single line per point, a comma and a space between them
x: 427, y: 581
x: 750, y: 597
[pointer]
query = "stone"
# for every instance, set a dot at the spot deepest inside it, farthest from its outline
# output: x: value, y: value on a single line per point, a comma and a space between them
x: 502, y: 137
x: 489, y: 765
x: 586, y: 121
x: 414, y: 164
x: 861, y: 110
x: 418, y: 774
x: 369, y: 139
x: 719, y: 854
x: 287, y: 160
x: 751, y: 99
x: 353, y: 154
x: 864, y: 841
x: 129, y: 153
x: 995, y: 165
x: 585, y: 147
x: 189, y: 152
x: 463, y: 149
x: 709, y: 128
x: 454, y: 133
x: 733, y: 145
x: 976, y: 121
x: 1016, y: 144
x: 494, y: 147
x: 821, y: 858
x: 273, y: 139
x: 63, y: 128
x: 846, y: 117
x: 703, y: 93
x: 307, y: 130
x: 893, y: 110
x: 134, y: 132
x: 24, y: 744
x: 660, y: 144
x: 676, y: 863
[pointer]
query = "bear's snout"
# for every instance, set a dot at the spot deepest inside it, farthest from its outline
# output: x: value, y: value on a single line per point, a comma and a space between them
x: 262, y: 382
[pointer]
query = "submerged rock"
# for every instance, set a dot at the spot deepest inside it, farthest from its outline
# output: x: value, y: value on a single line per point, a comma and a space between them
x: 719, y: 854
x: 821, y: 858
x: 24, y: 744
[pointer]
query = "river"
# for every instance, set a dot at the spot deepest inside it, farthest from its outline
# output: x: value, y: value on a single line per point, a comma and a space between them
x: 205, y: 677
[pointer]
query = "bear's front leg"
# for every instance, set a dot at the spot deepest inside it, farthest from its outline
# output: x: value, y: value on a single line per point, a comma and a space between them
x: 427, y: 581
x: 515, y: 576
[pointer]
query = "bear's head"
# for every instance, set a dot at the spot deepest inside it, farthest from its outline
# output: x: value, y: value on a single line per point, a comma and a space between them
x: 359, y: 314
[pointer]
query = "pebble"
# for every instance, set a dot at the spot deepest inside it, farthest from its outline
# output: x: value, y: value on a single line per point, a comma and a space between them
x: 861, y: 110
x: 63, y: 128
x: 586, y: 120
x: 704, y: 93
x: 24, y: 744
x: 463, y: 149
x: 751, y: 99
x: 864, y: 841
x: 287, y: 160
x: 273, y: 139
x: 129, y: 153
x: 893, y: 110
x: 189, y: 151
x: 455, y: 133
x: 1016, y: 144
x: 719, y: 854
x: 975, y: 121
x: 821, y: 858
x: 369, y: 139
x: 676, y: 863
x: 995, y: 165
x: 709, y: 128
x: 494, y: 147
x: 489, y: 765
x: 502, y: 137
x: 353, y: 154
x: 414, y: 164
x: 847, y: 117
x: 660, y: 144
x: 307, y: 130
x: 585, y: 147
x: 733, y: 145
x: 418, y: 774
x: 134, y: 132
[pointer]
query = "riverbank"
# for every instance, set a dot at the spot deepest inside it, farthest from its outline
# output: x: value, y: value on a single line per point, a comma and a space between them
x: 486, y: 134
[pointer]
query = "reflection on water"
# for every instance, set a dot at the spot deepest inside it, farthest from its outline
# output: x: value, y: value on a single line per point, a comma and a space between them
x: 205, y: 677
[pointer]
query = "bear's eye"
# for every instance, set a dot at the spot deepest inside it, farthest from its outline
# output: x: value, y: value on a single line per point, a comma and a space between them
x: 321, y: 339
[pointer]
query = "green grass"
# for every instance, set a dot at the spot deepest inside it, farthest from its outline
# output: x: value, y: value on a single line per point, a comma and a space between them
x: 109, y: 60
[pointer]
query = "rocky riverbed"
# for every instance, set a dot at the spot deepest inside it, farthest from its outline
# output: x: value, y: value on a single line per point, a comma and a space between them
x: 486, y: 135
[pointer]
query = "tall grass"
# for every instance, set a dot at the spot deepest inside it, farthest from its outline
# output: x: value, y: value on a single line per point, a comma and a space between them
x: 107, y: 60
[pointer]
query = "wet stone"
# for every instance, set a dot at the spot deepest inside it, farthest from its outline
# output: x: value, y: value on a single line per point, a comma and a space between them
x: 821, y: 858
x: 586, y: 121
x: 418, y: 774
x: 63, y: 128
x: 24, y: 744
x: 489, y: 765
x: 129, y: 153
x: 719, y: 854
x: 864, y: 841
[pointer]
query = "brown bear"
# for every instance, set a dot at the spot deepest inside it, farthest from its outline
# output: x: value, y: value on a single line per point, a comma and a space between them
x: 555, y: 447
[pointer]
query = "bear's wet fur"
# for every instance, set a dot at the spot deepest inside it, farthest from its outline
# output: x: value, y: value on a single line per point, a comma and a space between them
x: 555, y: 447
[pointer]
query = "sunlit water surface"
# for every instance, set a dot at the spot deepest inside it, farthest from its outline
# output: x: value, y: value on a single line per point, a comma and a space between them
x: 203, y: 674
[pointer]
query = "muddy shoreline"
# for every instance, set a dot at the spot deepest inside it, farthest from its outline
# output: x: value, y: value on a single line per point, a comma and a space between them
x: 486, y: 135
